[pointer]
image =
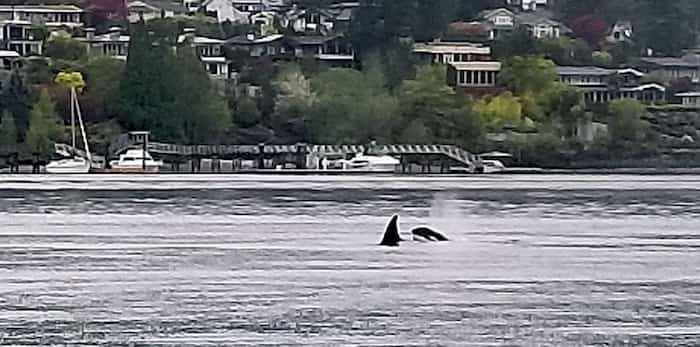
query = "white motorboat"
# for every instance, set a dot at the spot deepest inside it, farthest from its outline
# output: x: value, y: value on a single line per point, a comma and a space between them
x: 72, y: 163
x: 493, y: 166
x: 136, y: 161
x: 371, y: 163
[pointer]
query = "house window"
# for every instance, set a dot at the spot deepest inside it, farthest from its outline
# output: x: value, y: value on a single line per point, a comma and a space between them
x: 213, y: 68
x: 470, y: 77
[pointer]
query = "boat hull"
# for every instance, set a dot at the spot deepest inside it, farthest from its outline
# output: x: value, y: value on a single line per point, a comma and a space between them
x: 68, y: 167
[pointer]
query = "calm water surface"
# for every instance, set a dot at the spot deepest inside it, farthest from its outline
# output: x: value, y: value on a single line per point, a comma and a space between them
x: 284, y: 261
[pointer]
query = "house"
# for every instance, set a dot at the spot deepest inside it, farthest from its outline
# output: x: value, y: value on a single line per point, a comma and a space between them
x: 210, y: 52
x: 150, y: 9
x: 264, y: 23
x: 469, y: 65
x: 603, y: 85
x: 540, y: 23
x: 448, y: 52
x: 235, y: 11
x: 334, y: 50
x: 621, y: 32
x: 690, y: 99
x: 22, y: 37
x: 111, y: 44
x: 670, y: 68
x: 317, y: 21
x: 51, y: 16
x: 527, y: 5
x: 498, y: 22
x: 473, y: 75
x: 258, y: 46
x: 192, y: 6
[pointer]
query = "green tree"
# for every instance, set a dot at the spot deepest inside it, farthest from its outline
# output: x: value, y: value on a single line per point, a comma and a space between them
x: 247, y: 113
x: 501, y: 110
x: 16, y: 99
x: 565, y: 105
x: 8, y: 130
x: 103, y: 76
x: 528, y: 74
x: 431, y: 108
x: 63, y: 46
x: 293, y: 101
x: 198, y: 104
x: 352, y: 107
x: 626, y: 127
x: 45, y: 126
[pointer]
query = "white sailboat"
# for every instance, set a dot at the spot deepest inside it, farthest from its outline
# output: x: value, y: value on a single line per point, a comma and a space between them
x: 73, y: 164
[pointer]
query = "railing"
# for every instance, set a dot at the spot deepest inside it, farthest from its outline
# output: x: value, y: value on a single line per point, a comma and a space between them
x: 453, y: 152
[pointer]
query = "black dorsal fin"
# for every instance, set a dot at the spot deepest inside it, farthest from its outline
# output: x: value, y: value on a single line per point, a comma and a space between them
x: 391, y: 234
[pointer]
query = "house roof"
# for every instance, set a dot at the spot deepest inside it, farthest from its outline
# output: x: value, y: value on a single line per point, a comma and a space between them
x: 498, y: 11
x: 243, y: 39
x: 477, y: 66
x: 689, y: 95
x: 689, y: 62
x: 630, y: 71
x: 644, y: 87
x: 42, y: 8
x: 312, y: 40
x: 451, y: 47
x: 159, y: 5
x: 202, y: 40
x: 584, y: 71
x: 9, y: 54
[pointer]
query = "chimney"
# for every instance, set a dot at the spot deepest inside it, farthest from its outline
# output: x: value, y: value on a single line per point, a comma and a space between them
x: 89, y: 34
x: 115, y: 32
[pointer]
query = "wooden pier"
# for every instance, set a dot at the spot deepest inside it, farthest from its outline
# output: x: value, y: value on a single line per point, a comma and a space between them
x: 298, y: 156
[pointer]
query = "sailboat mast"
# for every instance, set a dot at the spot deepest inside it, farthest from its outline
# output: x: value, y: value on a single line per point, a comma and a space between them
x: 72, y: 116
x: 82, y: 129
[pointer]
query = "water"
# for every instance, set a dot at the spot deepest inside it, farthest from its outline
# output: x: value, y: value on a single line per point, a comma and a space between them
x: 284, y: 261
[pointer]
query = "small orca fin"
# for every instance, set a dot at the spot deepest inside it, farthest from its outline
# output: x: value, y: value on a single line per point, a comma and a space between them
x: 428, y: 234
x: 391, y: 234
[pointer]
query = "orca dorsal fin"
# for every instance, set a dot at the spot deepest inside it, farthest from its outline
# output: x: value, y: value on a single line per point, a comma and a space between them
x: 391, y: 234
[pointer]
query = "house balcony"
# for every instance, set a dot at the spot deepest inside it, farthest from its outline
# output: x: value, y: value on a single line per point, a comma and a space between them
x: 345, y: 57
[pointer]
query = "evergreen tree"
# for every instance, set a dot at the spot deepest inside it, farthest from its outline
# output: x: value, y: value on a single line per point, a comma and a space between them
x: 15, y: 99
x: 8, y: 131
x: 203, y: 112
x: 45, y: 126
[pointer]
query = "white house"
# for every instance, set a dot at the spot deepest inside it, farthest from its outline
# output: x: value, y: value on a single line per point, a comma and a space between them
x: 528, y: 5
x: 51, y: 16
x: 539, y: 23
x: 210, y: 52
x: 7, y: 59
x: 264, y: 22
x: 151, y: 9
x: 621, y: 32
x: 235, y: 11
x: 18, y: 25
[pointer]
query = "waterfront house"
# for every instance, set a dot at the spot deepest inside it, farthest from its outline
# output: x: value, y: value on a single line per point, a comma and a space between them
x: 22, y: 37
x: 469, y: 65
x: 150, y: 9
